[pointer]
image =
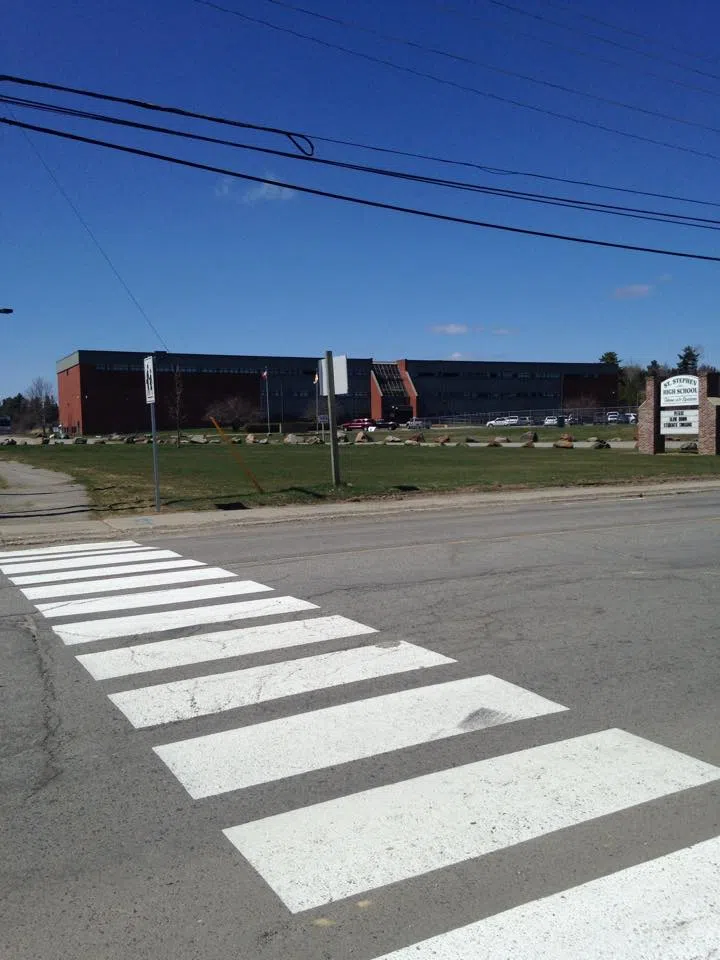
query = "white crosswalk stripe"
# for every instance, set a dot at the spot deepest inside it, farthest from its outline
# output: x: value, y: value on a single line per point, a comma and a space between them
x: 205, y: 647
x: 183, y: 699
x: 72, y: 548
x: 153, y: 598
x: 117, y: 584
x: 234, y: 759
x: 112, y: 570
x: 665, y: 909
x: 358, y: 842
x: 85, y: 631
x: 68, y: 563
x: 394, y: 832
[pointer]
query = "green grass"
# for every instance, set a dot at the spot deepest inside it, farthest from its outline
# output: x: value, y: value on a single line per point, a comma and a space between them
x: 119, y: 478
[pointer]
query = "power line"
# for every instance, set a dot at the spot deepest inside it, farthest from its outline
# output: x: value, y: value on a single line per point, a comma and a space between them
x: 455, y: 84
x: 459, y: 58
x: 361, y: 201
x: 86, y: 226
x: 630, y: 33
x: 596, y: 36
x: 299, y: 140
x: 355, y: 144
x: 575, y: 51
x: 637, y: 213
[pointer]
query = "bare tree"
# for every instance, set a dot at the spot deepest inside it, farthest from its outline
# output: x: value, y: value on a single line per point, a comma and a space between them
x: 175, y: 402
x: 41, y: 401
x: 232, y: 411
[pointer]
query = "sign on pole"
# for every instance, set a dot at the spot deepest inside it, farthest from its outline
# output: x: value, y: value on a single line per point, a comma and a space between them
x: 340, y: 375
x: 329, y: 369
x: 149, y: 375
x: 149, y: 368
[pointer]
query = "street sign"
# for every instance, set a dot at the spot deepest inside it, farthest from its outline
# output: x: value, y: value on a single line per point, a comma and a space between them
x: 149, y: 380
x: 324, y: 419
x: 340, y: 375
x: 678, y: 421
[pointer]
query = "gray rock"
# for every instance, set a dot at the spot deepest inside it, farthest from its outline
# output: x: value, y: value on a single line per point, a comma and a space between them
x: 293, y: 438
x: 198, y: 438
x: 690, y: 447
x: 600, y: 445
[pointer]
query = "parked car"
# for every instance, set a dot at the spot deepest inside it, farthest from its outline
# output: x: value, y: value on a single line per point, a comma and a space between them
x: 499, y: 422
x: 362, y: 423
x: 417, y: 423
x: 523, y: 422
x: 613, y: 417
x: 386, y: 424
x: 550, y: 422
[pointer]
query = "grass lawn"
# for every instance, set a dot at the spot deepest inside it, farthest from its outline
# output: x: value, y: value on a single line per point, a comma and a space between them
x: 119, y: 478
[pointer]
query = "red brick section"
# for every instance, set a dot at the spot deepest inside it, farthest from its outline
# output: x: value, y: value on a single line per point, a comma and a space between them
x: 70, y: 404
x: 649, y: 438
x: 709, y: 425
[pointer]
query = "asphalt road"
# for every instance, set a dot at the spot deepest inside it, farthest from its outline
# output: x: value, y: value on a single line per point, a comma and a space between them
x: 493, y: 799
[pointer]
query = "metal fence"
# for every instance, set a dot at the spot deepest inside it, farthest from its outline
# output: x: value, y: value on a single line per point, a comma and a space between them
x: 589, y: 415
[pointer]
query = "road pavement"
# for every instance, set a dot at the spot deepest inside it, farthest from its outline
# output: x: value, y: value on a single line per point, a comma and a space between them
x: 489, y: 732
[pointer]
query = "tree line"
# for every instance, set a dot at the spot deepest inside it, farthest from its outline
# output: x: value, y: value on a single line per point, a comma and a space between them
x: 35, y: 409
x: 633, y: 375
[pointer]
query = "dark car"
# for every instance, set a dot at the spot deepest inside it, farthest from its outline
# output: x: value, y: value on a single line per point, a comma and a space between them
x: 386, y: 424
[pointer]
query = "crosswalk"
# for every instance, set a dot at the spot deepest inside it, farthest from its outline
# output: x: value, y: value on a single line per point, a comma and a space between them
x: 127, y: 598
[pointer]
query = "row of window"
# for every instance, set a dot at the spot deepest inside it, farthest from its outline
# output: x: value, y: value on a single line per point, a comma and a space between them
x: 252, y: 371
x: 485, y: 395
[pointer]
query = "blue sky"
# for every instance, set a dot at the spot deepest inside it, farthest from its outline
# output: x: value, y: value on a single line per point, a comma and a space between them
x: 228, y: 267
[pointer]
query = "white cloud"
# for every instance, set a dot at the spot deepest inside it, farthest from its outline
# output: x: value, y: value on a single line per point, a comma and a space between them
x: 633, y: 291
x: 267, y: 191
x: 450, y: 329
x: 502, y: 332
x: 456, y: 356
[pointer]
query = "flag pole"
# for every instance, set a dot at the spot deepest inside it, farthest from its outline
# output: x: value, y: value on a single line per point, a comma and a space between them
x: 267, y: 398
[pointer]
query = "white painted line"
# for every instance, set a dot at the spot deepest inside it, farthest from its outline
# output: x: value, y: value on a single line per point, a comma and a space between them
x: 183, y: 699
x: 90, y: 574
x: 68, y: 548
x: 390, y: 833
x: 165, y: 654
x: 126, y: 583
x: 153, y: 598
x: 311, y: 741
x: 666, y: 908
x: 111, y: 627
x: 40, y: 566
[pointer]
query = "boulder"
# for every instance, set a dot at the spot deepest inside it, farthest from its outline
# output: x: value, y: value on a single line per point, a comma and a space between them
x: 9, y: 442
x: 263, y: 441
x: 499, y: 440
x: 446, y: 438
x: 313, y: 439
x: 129, y: 440
x: 392, y: 439
x: 592, y: 439
x: 690, y: 447
x: 293, y: 438
x: 567, y: 436
x: 198, y: 438
x: 530, y: 436
x: 417, y: 438
x: 250, y: 438
x: 600, y: 445
x: 495, y: 443
x: 363, y: 437
x: 45, y: 441
x: 411, y: 443
x: 564, y: 444
x: 79, y: 440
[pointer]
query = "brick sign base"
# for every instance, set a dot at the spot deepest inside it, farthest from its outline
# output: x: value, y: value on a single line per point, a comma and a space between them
x: 650, y: 440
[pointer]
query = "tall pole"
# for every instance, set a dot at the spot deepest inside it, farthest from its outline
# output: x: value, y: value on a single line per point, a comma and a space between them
x: 156, y: 468
x: 267, y: 400
x: 332, y: 425
x: 317, y: 404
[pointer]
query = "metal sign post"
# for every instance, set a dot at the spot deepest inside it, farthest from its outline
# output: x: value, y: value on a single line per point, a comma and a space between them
x: 149, y: 370
x: 329, y: 372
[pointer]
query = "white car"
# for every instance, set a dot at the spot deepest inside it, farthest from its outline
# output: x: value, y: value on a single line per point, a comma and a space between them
x: 499, y: 422
x: 550, y: 422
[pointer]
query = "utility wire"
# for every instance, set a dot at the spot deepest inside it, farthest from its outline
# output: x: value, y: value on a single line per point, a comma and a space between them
x: 361, y: 201
x: 596, y: 36
x: 86, y: 226
x: 455, y: 84
x: 299, y: 140
x: 460, y: 58
x: 638, y: 213
x: 355, y: 144
x: 632, y: 66
x: 630, y: 33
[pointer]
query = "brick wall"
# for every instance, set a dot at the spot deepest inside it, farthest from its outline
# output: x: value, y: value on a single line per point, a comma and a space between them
x: 649, y: 438
x: 709, y: 428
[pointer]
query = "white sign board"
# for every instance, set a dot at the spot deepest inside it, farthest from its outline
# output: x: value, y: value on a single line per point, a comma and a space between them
x: 680, y: 391
x: 149, y: 380
x: 678, y: 421
x: 340, y: 375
